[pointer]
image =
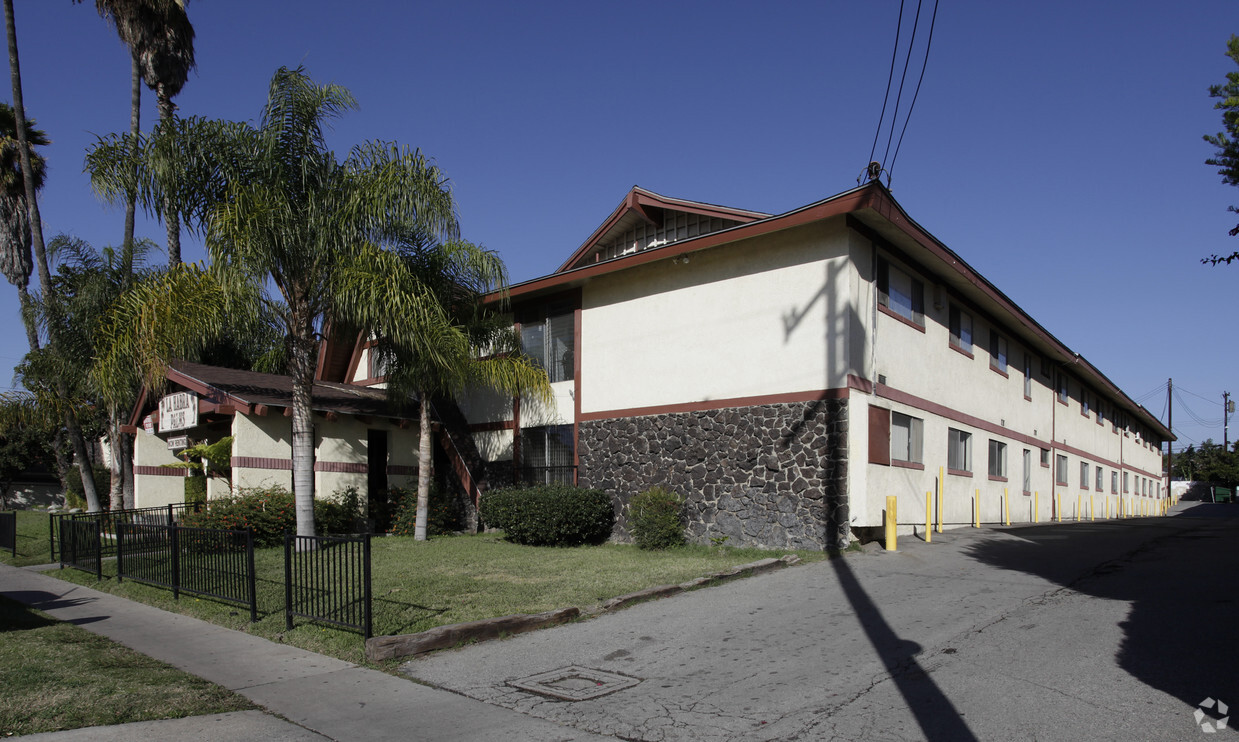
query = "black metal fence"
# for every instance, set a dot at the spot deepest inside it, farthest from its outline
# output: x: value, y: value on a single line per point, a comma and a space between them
x: 327, y: 579
x: 80, y: 546
x: 109, y: 520
x: 214, y: 562
x: 8, y: 532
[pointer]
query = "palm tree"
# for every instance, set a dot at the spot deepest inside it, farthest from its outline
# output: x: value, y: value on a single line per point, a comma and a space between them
x: 160, y: 39
x: 425, y: 303
x: 292, y: 217
x: 15, y: 238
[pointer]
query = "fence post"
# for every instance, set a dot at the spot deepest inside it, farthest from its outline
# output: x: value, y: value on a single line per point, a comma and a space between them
x: 249, y: 565
x: 366, y: 570
x: 176, y: 561
x: 171, y: 517
x: 120, y: 552
x: 288, y: 582
x: 98, y: 550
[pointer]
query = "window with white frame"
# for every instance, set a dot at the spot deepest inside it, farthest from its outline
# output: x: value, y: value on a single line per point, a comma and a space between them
x: 901, y: 293
x: 998, y: 460
x: 959, y: 450
x: 907, y: 435
x: 961, y: 329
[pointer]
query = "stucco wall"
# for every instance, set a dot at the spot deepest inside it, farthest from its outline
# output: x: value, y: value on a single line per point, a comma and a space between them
x: 162, y: 487
x: 747, y: 319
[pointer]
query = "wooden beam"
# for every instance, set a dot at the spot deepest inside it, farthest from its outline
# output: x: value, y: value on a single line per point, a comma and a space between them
x: 288, y: 412
x: 261, y: 410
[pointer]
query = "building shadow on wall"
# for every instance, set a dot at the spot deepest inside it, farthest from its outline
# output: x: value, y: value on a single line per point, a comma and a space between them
x: 1181, y: 634
x: 938, y: 718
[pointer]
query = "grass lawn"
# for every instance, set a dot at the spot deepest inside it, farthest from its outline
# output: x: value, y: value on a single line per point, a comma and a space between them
x: 57, y: 676
x: 32, y: 542
x: 447, y: 580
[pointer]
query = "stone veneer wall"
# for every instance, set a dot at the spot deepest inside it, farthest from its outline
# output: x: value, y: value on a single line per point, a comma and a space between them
x: 768, y: 475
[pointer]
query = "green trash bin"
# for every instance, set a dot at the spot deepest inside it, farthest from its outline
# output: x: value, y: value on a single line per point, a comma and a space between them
x: 1223, y: 494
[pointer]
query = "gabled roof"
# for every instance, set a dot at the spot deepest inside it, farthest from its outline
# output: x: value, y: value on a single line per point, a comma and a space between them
x: 641, y: 206
x: 233, y: 390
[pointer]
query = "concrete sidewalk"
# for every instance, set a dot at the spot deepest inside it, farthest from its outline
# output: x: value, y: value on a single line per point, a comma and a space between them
x: 322, y: 697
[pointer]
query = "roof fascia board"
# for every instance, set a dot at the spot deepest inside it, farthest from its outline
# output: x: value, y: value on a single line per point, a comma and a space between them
x: 214, y: 394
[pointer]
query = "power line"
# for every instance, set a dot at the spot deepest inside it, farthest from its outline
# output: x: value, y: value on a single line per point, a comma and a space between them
x: 1210, y: 400
x: 924, y: 63
x: 890, y: 77
x: 916, y: 21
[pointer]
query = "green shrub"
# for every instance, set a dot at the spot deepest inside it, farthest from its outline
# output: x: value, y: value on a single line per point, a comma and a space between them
x: 338, y: 513
x: 656, y: 519
x: 445, y: 513
x: 271, y: 512
x: 195, y: 489
x: 76, y: 496
x: 549, y: 515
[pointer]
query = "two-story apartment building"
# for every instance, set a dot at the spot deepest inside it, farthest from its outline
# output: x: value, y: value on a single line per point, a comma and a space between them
x: 786, y: 373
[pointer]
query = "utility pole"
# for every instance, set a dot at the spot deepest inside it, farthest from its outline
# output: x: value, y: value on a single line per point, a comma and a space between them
x: 1226, y: 409
x: 1170, y: 443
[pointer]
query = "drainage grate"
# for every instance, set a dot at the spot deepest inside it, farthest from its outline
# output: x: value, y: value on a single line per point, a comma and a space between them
x: 575, y: 683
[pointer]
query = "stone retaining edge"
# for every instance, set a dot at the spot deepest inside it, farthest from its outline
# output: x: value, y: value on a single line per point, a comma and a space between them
x: 403, y: 645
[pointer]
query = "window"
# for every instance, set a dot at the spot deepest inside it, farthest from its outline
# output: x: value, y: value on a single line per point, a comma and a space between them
x: 906, y: 438
x: 1101, y: 480
x: 549, y: 341
x: 961, y: 329
x: 1027, y: 471
x: 546, y: 455
x: 1114, y: 482
x: 1045, y: 457
x: 376, y: 360
x: 1083, y: 401
x: 998, y: 460
x: 900, y: 293
x: 1125, y: 489
x: 1062, y: 388
x: 959, y: 451
x: 1028, y: 376
x: 1101, y: 414
x: 1083, y: 475
x: 997, y: 351
x: 1060, y: 470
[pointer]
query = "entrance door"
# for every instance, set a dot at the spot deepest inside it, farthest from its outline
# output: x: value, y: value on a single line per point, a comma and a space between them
x: 376, y: 479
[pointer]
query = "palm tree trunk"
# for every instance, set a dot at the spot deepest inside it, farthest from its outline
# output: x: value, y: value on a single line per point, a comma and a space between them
x: 126, y: 463
x: 303, y: 437
x: 116, y: 495
x: 82, y: 454
x: 19, y: 110
x: 423, y: 470
x: 171, y: 219
x: 135, y: 130
x: 62, y: 465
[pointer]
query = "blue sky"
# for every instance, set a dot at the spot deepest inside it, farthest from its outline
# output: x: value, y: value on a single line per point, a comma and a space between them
x: 1056, y: 146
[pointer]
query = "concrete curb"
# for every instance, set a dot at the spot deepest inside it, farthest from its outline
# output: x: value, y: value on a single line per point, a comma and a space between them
x: 441, y: 637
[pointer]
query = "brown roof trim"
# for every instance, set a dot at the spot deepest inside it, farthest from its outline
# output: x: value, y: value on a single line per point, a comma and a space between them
x: 636, y: 201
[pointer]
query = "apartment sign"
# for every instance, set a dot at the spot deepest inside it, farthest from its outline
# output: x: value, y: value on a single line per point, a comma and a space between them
x: 178, y: 412
x: 177, y: 442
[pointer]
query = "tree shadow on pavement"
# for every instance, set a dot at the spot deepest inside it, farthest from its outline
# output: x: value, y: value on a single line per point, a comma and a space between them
x: 1181, y: 634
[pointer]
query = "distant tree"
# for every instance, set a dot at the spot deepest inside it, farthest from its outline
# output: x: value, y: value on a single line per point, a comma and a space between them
x: 22, y: 450
x: 15, y: 236
x: 1226, y: 158
x: 1211, y: 462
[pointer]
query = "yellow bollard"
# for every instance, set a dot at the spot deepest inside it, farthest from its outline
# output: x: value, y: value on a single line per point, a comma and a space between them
x: 1006, y: 506
x: 1077, y: 508
x: 1036, y: 505
x: 1058, y: 507
x: 941, y: 482
x: 929, y: 516
x: 1092, y: 515
x: 890, y: 522
x: 976, y: 509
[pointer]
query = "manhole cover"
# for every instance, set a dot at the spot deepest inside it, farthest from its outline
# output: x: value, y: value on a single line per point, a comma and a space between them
x: 575, y: 683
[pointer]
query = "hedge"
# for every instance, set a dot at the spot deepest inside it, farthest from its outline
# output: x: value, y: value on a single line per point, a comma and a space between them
x: 549, y: 515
